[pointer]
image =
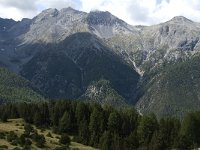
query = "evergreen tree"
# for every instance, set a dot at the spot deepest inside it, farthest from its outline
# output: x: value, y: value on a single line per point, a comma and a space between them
x: 147, y: 126
x: 117, y: 142
x: 129, y: 121
x: 44, y: 110
x: 114, y: 122
x: 83, y: 132
x: 4, y: 117
x: 22, y: 140
x: 28, y: 129
x: 65, y: 139
x: 96, y: 125
x: 40, y: 141
x: 13, y: 111
x: 82, y: 112
x: 65, y: 123
x: 166, y: 136
x: 190, y: 130
x: 55, y: 115
x: 38, y: 119
x: 131, y: 142
x: 106, y: 141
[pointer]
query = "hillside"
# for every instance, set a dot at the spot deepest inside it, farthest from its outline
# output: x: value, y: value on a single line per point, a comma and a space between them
x: 14, y: 88
x: 17, y: 126
x: 67, y: 69
x: 173, y: 90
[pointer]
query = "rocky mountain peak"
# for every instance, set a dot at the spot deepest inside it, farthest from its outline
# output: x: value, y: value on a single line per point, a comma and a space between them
x: 105, y: 25
x: 101, y: 17
x: 25, y: 20
x: 68, y: 10
x: 48, y: 13
x: 6, y: 23
x: 180, y: 20
x: 101, y: 13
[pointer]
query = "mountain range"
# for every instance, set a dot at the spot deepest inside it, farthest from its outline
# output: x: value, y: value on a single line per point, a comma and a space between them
x: 69, y: 54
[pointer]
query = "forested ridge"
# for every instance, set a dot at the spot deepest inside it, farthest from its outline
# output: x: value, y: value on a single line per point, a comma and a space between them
x: 14, y: 88
x: 107, y: 128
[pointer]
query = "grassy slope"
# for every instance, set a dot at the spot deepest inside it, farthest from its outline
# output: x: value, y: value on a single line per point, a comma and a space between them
x: 16, y: 125
x: 14, y: 88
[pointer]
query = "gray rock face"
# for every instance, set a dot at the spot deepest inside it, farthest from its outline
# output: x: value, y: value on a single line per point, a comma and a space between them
x: 54, y: 26
x: 103, y: 93
x: 175, y: 33
x: 138, y: 45
x: 152, y: 45
x: 105, y: 25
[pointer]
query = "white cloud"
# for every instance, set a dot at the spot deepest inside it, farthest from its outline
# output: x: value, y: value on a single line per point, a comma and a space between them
x: 18, y: 9
x: 59, y: 4
x: 145, y: 12
x: 187, y: 8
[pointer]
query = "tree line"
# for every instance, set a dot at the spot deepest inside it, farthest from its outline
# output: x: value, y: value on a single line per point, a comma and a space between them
x: 107, y: 128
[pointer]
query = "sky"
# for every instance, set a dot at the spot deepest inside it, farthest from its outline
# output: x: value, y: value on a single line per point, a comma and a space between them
x: 135, y: 12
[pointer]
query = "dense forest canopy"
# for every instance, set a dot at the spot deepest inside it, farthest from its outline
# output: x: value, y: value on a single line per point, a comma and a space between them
x: 107, y: 128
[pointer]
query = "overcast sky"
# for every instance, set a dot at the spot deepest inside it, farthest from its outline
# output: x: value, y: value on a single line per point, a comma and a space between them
x: 146, y: 12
